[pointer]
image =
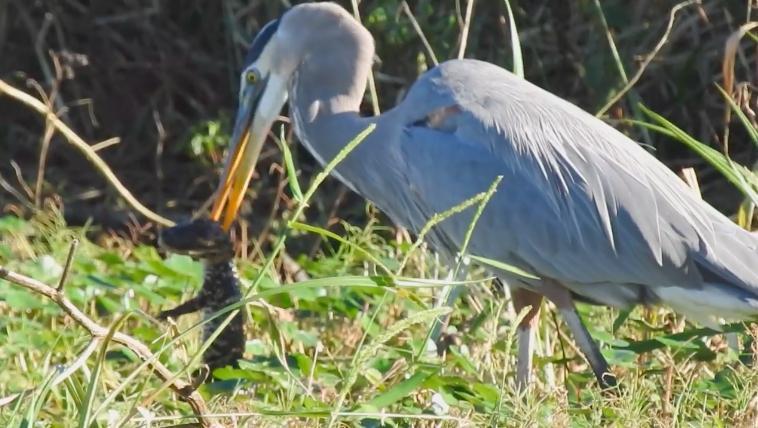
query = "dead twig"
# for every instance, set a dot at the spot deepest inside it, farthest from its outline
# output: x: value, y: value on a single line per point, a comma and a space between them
x: 98, y: 332
x: 67, y: 266
x: 690, y: 177
x: 727, y: 69
x: 465, y: 29
x: 5, y: 185
x: 44, y: 148
x: 371, y: 81
x: 429, y: 51
x: 85, y: 148
x: 648, y: 59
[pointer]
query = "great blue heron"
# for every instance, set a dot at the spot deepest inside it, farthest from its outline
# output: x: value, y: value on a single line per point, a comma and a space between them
x: 581, y: 206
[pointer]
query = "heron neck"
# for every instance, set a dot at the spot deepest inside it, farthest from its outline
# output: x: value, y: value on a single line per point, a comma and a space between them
x: 326, y: 115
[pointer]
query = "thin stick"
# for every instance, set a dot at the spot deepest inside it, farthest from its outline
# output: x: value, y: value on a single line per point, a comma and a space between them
x: 85, y: 148
x: 727, y: 71
x: 5, y: 185
x: 417, y: 27
x: 635, y: 99
x: 648, y: 59
x: 371, y: 81
x: 67, y: 266
x: 465, y: 30
x: 106, y: 143
x: 49, y: 131
x: 184, y: 389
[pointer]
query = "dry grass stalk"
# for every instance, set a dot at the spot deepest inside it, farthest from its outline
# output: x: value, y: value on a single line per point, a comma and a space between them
x: 184, y: 389
x: 91, y: 155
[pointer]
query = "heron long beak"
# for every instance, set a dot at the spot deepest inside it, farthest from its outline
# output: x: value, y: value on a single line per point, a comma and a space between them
x: 259, y: 106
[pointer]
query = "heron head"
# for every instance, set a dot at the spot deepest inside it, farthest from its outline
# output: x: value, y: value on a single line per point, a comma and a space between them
x: 311, y: 33
x: 262, y: 93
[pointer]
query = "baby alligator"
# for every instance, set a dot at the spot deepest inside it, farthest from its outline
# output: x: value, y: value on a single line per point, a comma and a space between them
x: 206, y: 240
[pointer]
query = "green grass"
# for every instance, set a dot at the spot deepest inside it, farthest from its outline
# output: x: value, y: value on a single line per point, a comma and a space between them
x: 347, y: 347
x: 341, y: 347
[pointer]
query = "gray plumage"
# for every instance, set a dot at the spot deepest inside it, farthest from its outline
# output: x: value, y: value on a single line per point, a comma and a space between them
x: 580, y: 204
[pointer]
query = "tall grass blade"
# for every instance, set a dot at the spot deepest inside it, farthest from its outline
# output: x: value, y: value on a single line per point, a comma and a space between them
x: 504, y: 266
x: 742, y: 178
x: 400, y: 391
x: 727, y: 68
x: 365, y: 353
x: 38, y: 398
x: 451, y: 292
x: 320, y: 177
x: 437, y: 219
x: 295, y: 225
x: 751, y: 130
x: 85, y: 411
x: 633, y: 95
x: 290, y: 167
x: 478, y: 213
x: 518, y: 59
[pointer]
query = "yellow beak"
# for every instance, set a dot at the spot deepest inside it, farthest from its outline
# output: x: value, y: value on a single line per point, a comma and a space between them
x: 247, y: 140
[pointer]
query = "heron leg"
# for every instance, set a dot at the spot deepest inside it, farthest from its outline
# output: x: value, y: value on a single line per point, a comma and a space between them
x: 447, y: 297
x: 563, y: 300
x: 523, y: 298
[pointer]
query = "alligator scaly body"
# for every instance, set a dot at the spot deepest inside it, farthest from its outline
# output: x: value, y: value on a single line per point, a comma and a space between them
x: 205, y: 240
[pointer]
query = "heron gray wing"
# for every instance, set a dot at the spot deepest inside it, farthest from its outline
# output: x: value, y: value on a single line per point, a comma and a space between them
x: 579, y: 202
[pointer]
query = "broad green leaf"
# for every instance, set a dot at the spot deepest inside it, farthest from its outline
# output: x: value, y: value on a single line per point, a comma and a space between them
x: 641, y: 346
x: 400, y: 390
x: 677, y: 344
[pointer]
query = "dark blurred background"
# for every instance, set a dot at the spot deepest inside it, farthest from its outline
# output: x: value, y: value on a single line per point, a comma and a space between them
x: 162, y: 76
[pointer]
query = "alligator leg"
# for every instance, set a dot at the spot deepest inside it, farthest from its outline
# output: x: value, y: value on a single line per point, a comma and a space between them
x: 191, y: 305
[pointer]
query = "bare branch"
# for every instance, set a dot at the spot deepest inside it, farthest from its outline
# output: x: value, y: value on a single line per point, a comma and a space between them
x: 85, y: 148
x: 648, y: 59
x: 429, y: 51
x: 67, y: 266
x: 465, y: 30
x: 371, y: 81
x: 183, y: 389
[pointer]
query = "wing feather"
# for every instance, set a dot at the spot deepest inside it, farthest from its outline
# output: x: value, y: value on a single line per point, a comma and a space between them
x: 580, y: 202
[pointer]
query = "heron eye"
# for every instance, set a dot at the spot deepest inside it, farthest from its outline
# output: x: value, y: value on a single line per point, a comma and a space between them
x: 251, y: 77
